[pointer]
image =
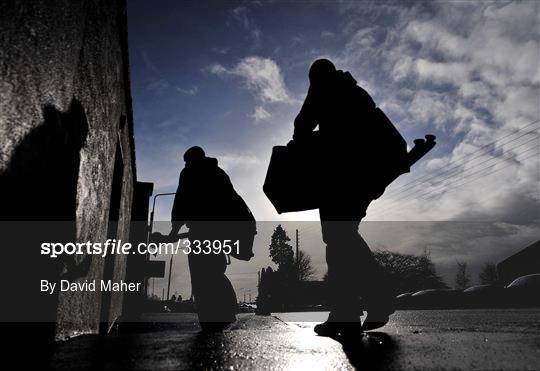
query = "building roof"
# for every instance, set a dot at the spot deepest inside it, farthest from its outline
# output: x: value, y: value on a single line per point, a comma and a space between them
x: 530, y: 252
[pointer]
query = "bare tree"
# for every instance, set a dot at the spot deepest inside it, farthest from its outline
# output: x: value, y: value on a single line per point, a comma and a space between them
x: 488, y: 275
x: 410, y: 273
x: 305, y: 269
x: 463, y: 280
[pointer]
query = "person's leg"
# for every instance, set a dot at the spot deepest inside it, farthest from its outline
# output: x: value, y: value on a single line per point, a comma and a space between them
x: 375, y: 288
x: 215, y: 298
x: 343, y: 265
x: 353, y: 270
x: 196, y: 271
x: 229, y: 300
x: 224, y: 291
x: 342, y: 284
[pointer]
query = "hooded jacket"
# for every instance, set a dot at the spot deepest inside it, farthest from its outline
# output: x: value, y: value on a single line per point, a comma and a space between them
x: 205, y: 193
x: 340, y: 108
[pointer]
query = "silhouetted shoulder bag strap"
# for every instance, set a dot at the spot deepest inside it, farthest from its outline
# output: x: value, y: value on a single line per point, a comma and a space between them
x: 389, y: 150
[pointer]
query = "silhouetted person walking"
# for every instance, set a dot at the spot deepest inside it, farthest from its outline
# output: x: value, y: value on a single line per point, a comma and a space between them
x: 344, y: 113
x: 202, y: 202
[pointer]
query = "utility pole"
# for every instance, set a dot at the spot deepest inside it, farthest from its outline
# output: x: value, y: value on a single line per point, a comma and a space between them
x: 163, y: 294
x: 297, y: 258
x: 169, y: 284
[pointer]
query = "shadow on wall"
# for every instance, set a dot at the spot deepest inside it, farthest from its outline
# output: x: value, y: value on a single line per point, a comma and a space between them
x: 38, y: 198
x: 41, y: 180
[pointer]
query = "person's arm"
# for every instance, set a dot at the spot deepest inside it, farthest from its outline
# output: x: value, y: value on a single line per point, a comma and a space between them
x: 179, y: 204
x: 305, y: 122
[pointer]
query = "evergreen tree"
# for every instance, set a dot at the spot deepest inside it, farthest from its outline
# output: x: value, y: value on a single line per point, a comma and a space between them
x: 281, y: 251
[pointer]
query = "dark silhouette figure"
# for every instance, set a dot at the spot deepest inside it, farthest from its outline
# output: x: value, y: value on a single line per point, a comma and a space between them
x: 38, y: 193
x: 339, y: 169
x: 204, y: 199
x: 40, y: 183
x: 353, y: 172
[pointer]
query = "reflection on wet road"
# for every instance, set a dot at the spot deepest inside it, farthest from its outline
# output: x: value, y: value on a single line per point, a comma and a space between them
x: 457, y: 339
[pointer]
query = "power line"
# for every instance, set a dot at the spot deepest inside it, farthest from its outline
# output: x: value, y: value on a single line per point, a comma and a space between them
x: 403, y: 188
x: 390, y: 207
x: 379, y: 214
x: 486, y: 167
x: 490, y: 166
x: 452, y: 173
x: 491, y: 172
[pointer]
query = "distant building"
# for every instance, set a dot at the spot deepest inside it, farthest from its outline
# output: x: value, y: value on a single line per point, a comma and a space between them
x: 526, y: 261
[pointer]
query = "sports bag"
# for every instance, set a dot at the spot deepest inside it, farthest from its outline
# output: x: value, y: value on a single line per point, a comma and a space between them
x: 293, y: 179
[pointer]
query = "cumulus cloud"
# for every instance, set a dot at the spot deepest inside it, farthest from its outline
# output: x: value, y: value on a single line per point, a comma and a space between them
x: 263, y: 78
x: 431, y: 108
x: 327, y: 35
x: 261, y: 114
x: 451, y: 73
x: 231, y: 161
x: 217, y: 69
x: 241, y: 15
x: 469, y: 72
x: 188, y: 91
x: 158, y: 85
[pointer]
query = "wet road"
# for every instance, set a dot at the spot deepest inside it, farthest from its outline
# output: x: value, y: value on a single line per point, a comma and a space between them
x: 424, y: 340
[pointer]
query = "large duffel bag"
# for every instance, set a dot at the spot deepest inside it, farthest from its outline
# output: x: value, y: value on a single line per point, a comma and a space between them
x: 238, y: 228
x: 294, y: 177
x: 242, y: 229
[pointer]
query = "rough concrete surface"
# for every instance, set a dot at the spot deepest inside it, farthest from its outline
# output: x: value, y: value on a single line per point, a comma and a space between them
x: 54, y: 55
x: 417, y: 340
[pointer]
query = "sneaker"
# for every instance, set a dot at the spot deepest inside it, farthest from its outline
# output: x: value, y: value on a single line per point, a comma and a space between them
x: 213, y: 327
x: 329, y: 329
x: 378, y: 314
x: 339, y: 329
x: 376, y: 319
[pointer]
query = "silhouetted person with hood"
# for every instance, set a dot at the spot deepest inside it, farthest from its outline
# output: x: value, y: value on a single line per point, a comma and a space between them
x: 201, y: 202
x: 343, y: 112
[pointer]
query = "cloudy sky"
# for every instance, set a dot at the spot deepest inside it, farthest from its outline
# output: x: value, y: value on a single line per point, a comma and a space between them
x: 231, y: 76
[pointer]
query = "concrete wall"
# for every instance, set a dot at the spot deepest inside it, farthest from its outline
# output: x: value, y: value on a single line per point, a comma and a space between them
x: 64, y: 75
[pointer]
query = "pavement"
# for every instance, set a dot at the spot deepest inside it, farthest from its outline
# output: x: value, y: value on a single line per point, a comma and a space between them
x: 503, y: 339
